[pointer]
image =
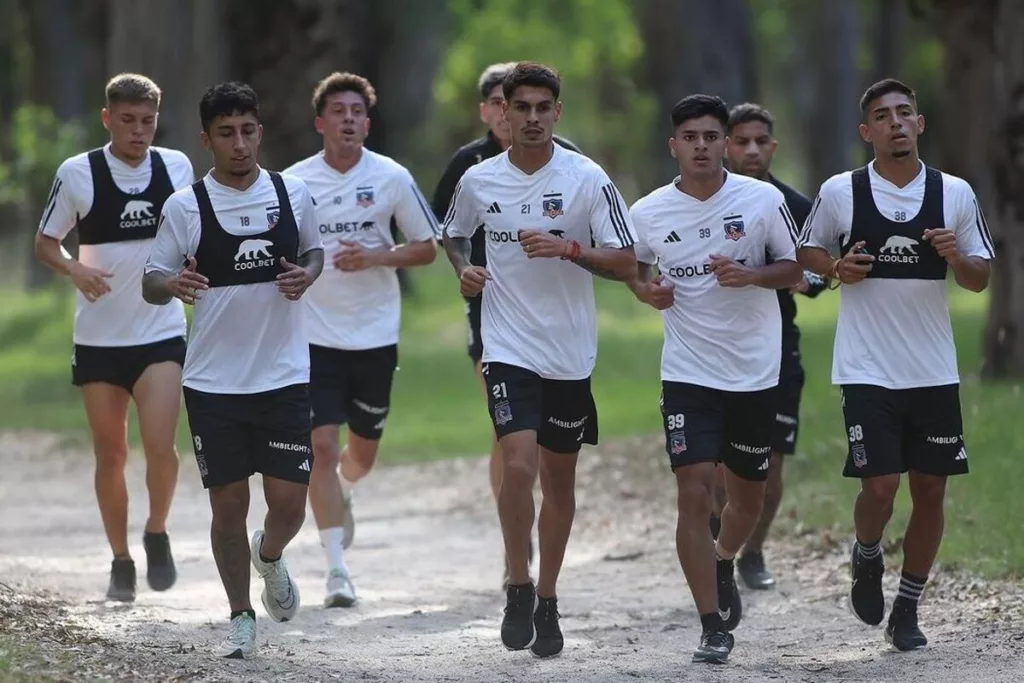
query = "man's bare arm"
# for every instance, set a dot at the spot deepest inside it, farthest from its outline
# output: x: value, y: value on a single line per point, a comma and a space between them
x: 610, y: 263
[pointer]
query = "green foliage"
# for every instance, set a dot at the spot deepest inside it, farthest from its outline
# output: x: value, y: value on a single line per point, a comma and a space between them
x: 39, y: 143
x: 594, y: 45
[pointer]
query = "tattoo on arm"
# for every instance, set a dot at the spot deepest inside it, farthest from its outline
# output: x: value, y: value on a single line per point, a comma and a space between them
x: 231, y: 553
x: 596, y: 268
x: 459, y: 251
x: 312, y: 260
x: 154, y: 288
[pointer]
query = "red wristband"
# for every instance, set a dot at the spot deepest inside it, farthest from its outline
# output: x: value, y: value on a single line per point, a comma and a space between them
x: 574, y: 251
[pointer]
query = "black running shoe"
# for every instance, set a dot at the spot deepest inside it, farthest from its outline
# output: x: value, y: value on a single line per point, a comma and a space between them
x: 714, y: 647
x: 902, y: 631
x: 160, y: 571
x: 753, y: 572
x: 729, y: 605
x: 549, y: 640
x: 122, y: 581
x: 715, y: 524
x: 866, y: 600
x: 517, y: 625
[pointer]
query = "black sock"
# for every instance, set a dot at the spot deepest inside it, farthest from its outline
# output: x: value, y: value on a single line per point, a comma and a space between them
x: 156, y: 534
x: 911, y: 588
x: 250, y: 612
x: 711, y: 622
x: 264, y: 558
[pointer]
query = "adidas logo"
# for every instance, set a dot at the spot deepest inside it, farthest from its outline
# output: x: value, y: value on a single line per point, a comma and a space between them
x: 672, y: 237
x: 494, y: 208
x: 962, y: 455
x: 764, y: 466
x: 304, y: 466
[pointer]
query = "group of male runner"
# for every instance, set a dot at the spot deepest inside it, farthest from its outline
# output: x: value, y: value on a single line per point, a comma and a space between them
x: 268, y: 380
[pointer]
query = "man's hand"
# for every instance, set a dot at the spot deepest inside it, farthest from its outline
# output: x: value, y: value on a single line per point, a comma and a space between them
x: 294, y: 281
x: 854, y: 267
x: 656, y: 293
x: 801, y: 287
x: 187, y: 285
x: 353, y: 257
x: 472, y: 280
x: 944, y: 241
x: 91, y: 282
x: 542, y: 244
x: 732, y: 274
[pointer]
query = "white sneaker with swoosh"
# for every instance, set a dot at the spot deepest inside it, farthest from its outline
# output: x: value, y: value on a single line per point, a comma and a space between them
x: 280, y: 592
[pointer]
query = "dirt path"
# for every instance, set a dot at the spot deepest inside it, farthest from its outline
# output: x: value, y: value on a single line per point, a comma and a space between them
x: 426, y: 564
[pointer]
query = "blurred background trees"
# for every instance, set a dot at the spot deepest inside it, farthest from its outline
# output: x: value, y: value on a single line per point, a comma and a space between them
x: 624, y: 63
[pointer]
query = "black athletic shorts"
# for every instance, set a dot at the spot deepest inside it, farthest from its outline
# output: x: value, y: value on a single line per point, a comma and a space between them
x: 562, y: 412
x: 352, y: 387
x: 476, y: 343
x: 236, y: 435
x: 122, y: 365
x: 787, y: 401
x: 891, y: 431
x: 711, y: 425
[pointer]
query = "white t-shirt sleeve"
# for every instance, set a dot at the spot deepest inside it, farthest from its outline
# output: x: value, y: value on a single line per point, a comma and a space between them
x: 412, y: 212
x: 305, y: 218
x: 969, y: 224
x: 461, y: 220
x: 781, y: 231
x: 610, y: 223
x: 60, y: 214
x: 175, y: 239
x: 643, y: 251
x: 179, y: 168
x: 822, y: 229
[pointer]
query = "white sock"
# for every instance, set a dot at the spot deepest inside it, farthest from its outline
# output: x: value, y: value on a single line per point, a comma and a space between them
x: 332, y: 541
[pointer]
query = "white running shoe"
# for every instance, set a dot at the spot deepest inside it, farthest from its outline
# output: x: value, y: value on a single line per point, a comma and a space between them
x: 350, y: 521
x: 340, y: 591
x: 241, y: 640
x: 280, y: 593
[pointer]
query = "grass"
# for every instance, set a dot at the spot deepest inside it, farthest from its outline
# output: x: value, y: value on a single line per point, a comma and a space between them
x: 438, y: 408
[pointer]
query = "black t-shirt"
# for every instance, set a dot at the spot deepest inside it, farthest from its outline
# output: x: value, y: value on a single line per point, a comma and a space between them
x: 800, y: 207
x: 468, y: 155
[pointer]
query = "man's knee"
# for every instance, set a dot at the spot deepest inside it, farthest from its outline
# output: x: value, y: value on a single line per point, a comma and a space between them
x: 111, y: 453
x: 326, y: 448
x: 927, y: 490
x: 773, y: 486
x: 230, y: 504
x: 881, y: 490
x: 695, y: 491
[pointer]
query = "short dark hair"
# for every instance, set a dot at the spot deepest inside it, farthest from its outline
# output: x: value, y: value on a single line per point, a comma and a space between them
x: 884, y: 87
x: 747, y: 112
x: 225, y: 99
x: 696, y: 106
x: 343, y: 81
x: 492, y: 77
x: 132, y: 88
x: 532, y: 74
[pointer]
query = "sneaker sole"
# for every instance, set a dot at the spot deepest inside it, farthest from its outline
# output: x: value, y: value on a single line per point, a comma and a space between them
x: 237, y: 653
x: 889, y: 639
x: 710, y: 658
x: 281, y: 618
x: 161, y: 583
x: 338, y: 601
x: 555, y: 654
x: 849, y: 606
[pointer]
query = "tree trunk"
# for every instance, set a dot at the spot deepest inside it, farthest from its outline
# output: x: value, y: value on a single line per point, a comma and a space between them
x: 985, y: 70
x: 688, y: 52
x: 834, y: 114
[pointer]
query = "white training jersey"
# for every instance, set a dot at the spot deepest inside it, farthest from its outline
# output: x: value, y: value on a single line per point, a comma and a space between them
x: 121, y: 317
x: 894, y: 330
x: 725, y: 338
x: 245, y: 339
x: 361, y: 310
x: 539, y: 313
